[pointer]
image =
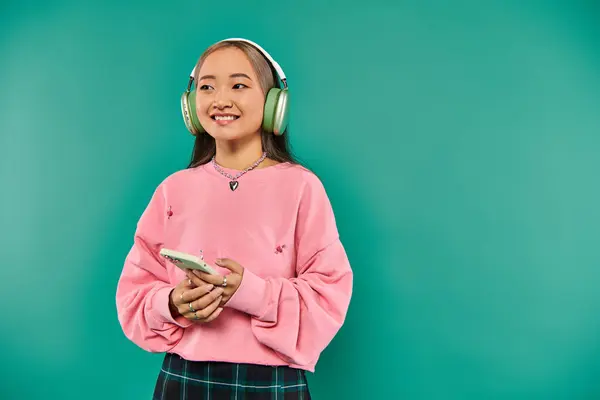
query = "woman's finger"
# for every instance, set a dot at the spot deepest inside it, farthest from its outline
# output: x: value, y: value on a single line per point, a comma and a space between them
x: 197, y: 281
x: 208, y: 310
x: 189, y: 295
x: 216, y: 280
x: 191, y: 310
x: 206, y: 300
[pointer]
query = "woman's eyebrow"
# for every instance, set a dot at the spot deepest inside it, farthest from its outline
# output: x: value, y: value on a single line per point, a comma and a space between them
x: 239, y: 75
x: 236, y: 75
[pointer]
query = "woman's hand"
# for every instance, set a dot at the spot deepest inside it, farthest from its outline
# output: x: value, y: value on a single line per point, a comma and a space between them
x: 229, y: 283
x: 199, y: 303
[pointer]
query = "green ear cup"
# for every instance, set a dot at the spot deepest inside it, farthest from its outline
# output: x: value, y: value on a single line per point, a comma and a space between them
x: 188, y: 111
x: 276, y: 111
x: 192, y: 105
x: 269, y: 110
x: 281, y: 113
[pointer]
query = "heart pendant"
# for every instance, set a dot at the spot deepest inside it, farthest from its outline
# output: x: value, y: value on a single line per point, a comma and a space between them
x: 233, y: 185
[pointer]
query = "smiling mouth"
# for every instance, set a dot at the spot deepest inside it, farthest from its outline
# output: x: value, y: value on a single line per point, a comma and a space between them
x: 224, y: 117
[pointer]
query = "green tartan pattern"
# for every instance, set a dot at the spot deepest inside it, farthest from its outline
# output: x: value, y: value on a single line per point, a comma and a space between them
x: 181, y: 379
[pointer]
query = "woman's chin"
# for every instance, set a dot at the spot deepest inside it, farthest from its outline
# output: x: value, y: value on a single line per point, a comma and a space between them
x: 220, y: 134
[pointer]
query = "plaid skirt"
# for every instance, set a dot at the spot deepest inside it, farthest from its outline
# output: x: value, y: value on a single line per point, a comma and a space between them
x: 182, y: 379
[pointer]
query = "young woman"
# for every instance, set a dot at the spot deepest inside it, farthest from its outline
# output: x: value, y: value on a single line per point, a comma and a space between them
x: 262, y: 220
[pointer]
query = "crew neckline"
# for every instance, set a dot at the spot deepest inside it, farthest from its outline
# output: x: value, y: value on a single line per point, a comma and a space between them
x: 257, y: 172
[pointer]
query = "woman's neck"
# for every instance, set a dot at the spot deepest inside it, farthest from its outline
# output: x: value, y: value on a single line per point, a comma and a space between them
x: 240, y: 154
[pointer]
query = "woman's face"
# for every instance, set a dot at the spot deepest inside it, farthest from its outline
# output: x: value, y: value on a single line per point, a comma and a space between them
x: 229, y: 99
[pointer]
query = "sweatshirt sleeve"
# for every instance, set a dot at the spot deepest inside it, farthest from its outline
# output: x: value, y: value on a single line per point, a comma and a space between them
x: 143, y: 289
x: 299, y: 317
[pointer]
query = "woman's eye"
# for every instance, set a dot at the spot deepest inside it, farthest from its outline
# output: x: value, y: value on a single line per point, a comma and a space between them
x: 204, y: 87
x: 239, y: 86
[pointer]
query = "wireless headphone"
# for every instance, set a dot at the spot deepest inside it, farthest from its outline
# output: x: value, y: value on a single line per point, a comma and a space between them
x: 275, y: 115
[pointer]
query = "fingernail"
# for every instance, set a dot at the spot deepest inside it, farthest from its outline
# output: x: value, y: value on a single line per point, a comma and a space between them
x: 210, y: 287
x: 219, y: 261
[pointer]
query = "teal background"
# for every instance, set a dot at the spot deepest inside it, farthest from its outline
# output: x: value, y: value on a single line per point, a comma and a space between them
x: 458, y: 143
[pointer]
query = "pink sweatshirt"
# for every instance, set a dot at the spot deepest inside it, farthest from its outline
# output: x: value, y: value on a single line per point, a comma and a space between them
x: 290, y: 304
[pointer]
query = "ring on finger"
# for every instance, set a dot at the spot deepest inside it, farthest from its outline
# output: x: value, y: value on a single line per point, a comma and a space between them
x: 196, y: 316
x: 192, y: 308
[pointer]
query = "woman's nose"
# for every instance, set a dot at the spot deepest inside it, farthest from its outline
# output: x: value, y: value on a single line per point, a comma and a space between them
x: 221, y: 100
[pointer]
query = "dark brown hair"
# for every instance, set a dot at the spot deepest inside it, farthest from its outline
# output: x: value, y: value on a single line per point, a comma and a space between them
x: 276, y: 147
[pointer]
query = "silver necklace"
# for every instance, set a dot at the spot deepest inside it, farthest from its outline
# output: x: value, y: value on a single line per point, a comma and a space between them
x: 233, y: 183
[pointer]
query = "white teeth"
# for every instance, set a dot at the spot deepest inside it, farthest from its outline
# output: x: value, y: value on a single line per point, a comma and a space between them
x: 225, y: 117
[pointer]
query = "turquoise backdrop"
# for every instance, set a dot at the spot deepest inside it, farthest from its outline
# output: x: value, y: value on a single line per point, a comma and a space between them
x: 459, y: 143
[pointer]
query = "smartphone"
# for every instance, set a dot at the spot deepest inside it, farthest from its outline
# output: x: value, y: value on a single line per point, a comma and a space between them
x: 187, y: 261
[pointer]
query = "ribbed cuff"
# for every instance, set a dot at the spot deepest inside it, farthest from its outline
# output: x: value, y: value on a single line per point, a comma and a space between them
x: 250, y: 297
